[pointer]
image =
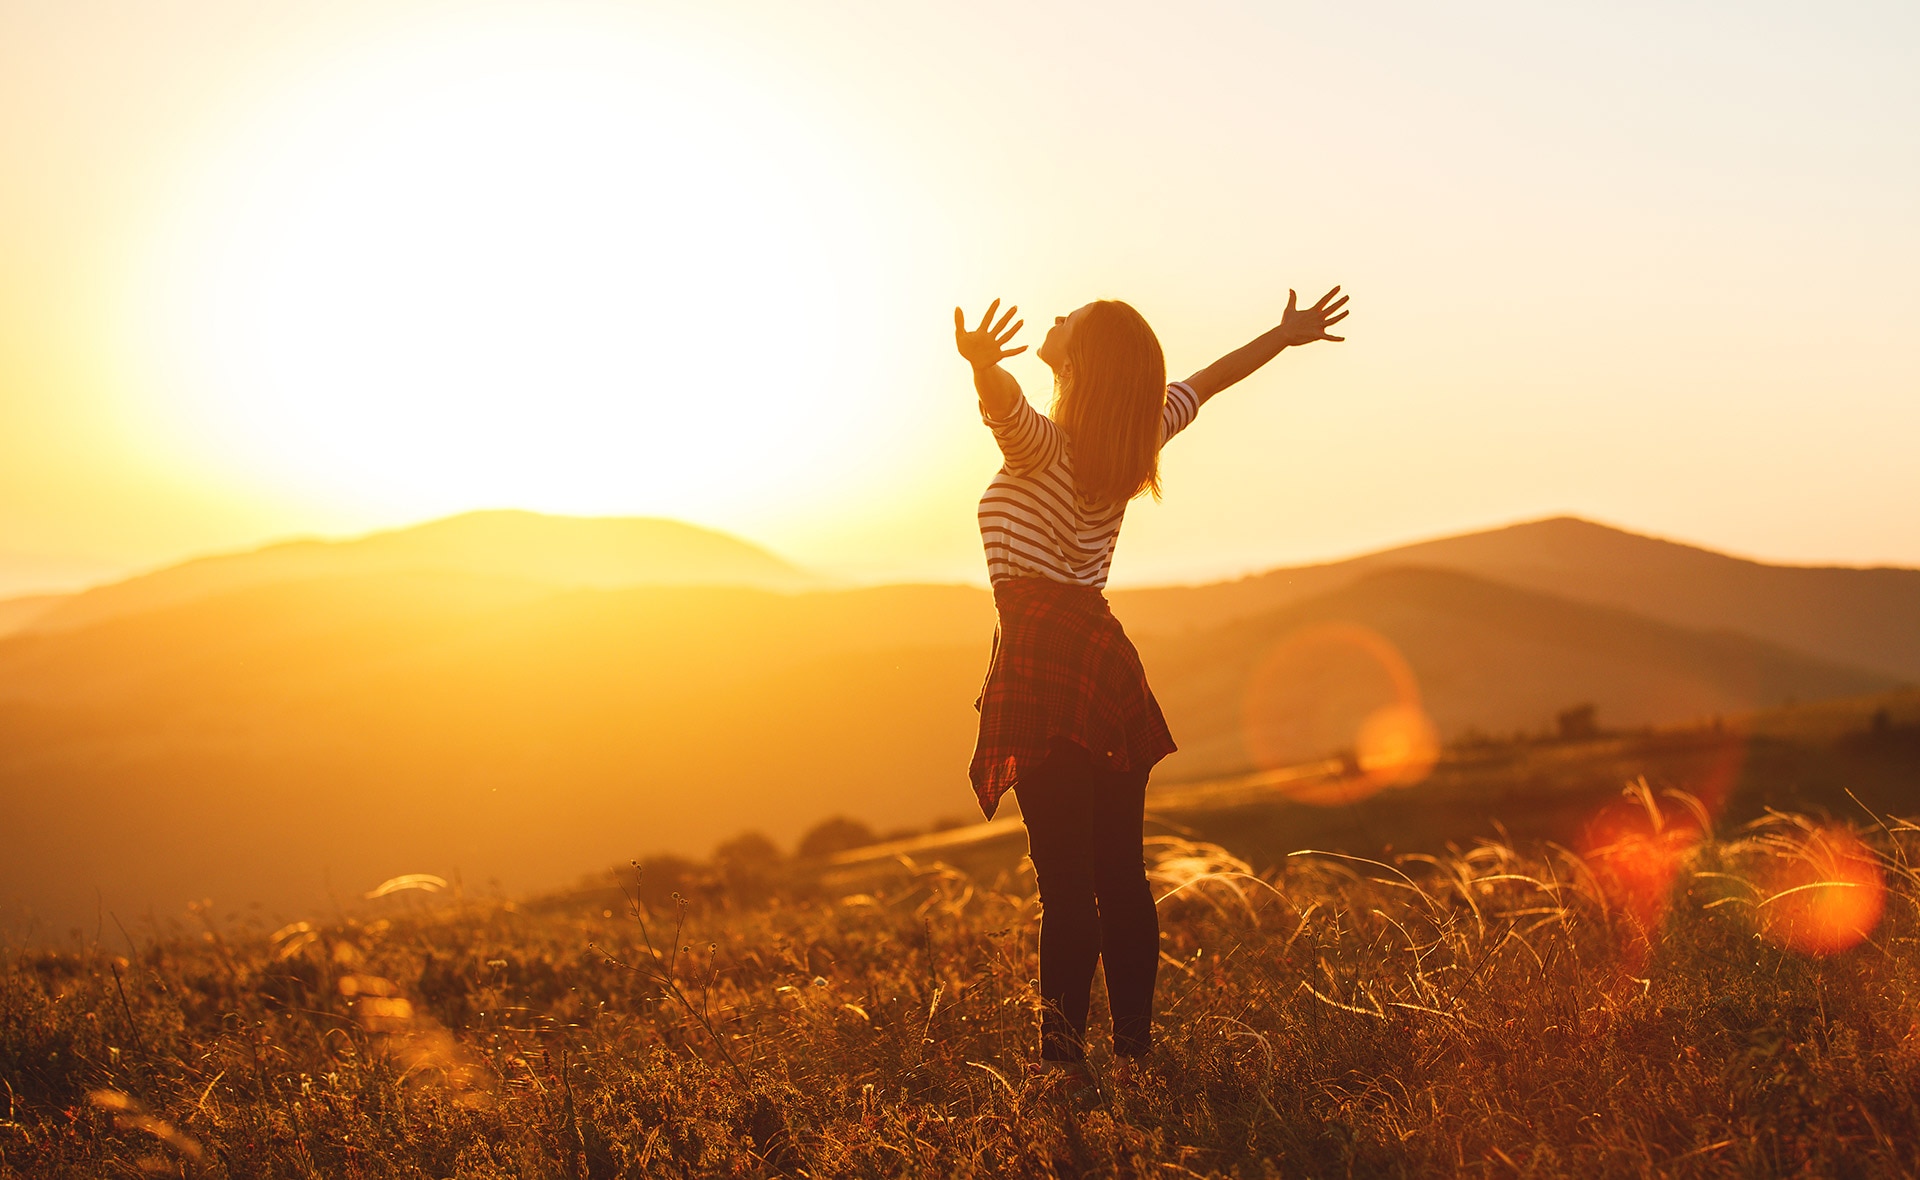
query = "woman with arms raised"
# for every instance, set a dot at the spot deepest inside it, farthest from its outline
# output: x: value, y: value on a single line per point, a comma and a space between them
x: 1066, y: 717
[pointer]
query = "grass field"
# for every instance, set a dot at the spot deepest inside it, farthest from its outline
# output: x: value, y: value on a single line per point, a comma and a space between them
x: 1672, y: 999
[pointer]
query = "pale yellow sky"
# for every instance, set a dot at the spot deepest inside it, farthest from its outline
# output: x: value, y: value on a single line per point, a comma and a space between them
x: 299, y: 268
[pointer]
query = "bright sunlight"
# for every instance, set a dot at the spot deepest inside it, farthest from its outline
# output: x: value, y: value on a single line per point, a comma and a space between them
x: 515, y: 268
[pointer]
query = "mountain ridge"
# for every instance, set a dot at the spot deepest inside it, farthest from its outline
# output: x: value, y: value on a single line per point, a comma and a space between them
x: 1486, y: 656
x: 1868, y: 616
x: 17, y: 614
x: 1864, y: 616
x: 535, y: 547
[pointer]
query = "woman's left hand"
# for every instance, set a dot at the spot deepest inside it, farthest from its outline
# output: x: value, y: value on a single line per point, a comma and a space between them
x: 1304, y: 327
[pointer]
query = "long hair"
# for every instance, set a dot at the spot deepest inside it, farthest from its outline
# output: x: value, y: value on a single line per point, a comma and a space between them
x: 1111, y: 404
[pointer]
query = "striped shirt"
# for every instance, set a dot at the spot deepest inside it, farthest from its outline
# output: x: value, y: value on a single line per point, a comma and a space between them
x: 1032, y: 519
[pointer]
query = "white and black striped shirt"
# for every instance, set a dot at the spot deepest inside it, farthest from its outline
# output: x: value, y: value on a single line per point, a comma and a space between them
x: 1032, y: 519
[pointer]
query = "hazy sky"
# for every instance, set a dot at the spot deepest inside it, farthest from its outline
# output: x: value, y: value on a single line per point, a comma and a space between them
x: 324, y: 267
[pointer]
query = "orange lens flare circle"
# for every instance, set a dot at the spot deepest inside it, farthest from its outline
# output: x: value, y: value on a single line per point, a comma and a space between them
x: 1825, y: 897
x: 1339, y: 691
x: 1637, y: 846
x: 1397, y: 745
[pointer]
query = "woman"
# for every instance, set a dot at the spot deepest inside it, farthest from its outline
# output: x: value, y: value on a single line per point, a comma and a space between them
x: 1066, y: 717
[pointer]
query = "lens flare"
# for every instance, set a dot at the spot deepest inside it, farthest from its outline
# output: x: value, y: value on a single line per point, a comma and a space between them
x: 1636, y: 847
x: 1823, y: 894
x: 1397, y: 745
x: 1341, y: 690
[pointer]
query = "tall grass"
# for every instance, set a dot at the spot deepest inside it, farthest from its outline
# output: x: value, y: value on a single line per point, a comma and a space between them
x: 1656, y: 1004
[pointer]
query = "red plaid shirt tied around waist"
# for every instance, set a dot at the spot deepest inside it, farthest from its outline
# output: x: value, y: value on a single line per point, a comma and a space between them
x: 1062, y: 667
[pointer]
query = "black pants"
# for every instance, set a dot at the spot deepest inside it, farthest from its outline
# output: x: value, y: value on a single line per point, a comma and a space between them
x: 1084, y: 825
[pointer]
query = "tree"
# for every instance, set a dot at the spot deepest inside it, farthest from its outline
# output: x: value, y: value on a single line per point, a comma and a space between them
x: 835, y: 835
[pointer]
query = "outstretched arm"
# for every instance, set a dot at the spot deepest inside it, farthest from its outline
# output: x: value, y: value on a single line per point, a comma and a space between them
x: 984, y: 348
x: 1028, y: 439
x: 1296, y: 327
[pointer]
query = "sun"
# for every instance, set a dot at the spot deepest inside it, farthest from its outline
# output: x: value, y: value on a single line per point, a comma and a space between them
x: 542, y: 266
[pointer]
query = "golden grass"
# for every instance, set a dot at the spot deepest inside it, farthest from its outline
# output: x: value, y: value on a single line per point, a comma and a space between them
x: 1661, y: 1005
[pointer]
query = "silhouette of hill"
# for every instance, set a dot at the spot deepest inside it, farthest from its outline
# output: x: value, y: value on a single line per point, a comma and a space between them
x: 16, y: 614
x: 1486, y: 657
x: 1864, y: 617
x: 262, y: 743
x: 556, y: 550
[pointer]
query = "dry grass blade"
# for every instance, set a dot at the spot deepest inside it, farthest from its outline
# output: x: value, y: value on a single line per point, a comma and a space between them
x: 1343, y: 856
x: 1012, y: 1095
x: 1784, y: 893
x: 408, y: 882
x: 1330, y: 1002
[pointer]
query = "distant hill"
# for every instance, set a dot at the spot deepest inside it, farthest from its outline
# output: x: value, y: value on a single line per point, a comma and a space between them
x: 277, y: 741
x: 16, y: 614
x: 1486, y: 657
x: 1864, y: 617
x: 564, y: 551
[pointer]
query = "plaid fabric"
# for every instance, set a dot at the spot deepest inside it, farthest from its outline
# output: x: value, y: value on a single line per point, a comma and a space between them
x: 1061, y: 667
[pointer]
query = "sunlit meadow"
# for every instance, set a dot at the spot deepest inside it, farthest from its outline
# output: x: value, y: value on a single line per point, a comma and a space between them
x: 1678, y: 1001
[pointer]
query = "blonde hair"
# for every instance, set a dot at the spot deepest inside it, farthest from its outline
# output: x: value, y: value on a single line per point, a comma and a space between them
x: 1111, y: 403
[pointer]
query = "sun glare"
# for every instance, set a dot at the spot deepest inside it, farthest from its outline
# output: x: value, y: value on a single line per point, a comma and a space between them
x: 1825, y: 892
x: 1339, y: 687
x: 548, y: 267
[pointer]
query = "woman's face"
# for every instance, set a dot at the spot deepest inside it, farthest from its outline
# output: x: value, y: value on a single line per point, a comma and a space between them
x: 1053, y: 350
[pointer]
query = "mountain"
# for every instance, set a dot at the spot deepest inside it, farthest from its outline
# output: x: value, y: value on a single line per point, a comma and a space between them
x: 1864, y: 617
x: 1483, y: 656
x: 554, y: 550
x: 17, y: 614
x: 278, y: 741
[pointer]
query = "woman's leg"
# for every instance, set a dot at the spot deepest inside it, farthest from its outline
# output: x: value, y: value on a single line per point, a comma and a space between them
x: 1129, y: 923
x: 1057, y: 803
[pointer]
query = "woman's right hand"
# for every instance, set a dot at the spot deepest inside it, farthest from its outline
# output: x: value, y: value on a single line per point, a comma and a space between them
x: 986, y: 346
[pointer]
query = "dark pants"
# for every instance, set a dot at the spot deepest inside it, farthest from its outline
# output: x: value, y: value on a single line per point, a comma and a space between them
x: 1084, y: 825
